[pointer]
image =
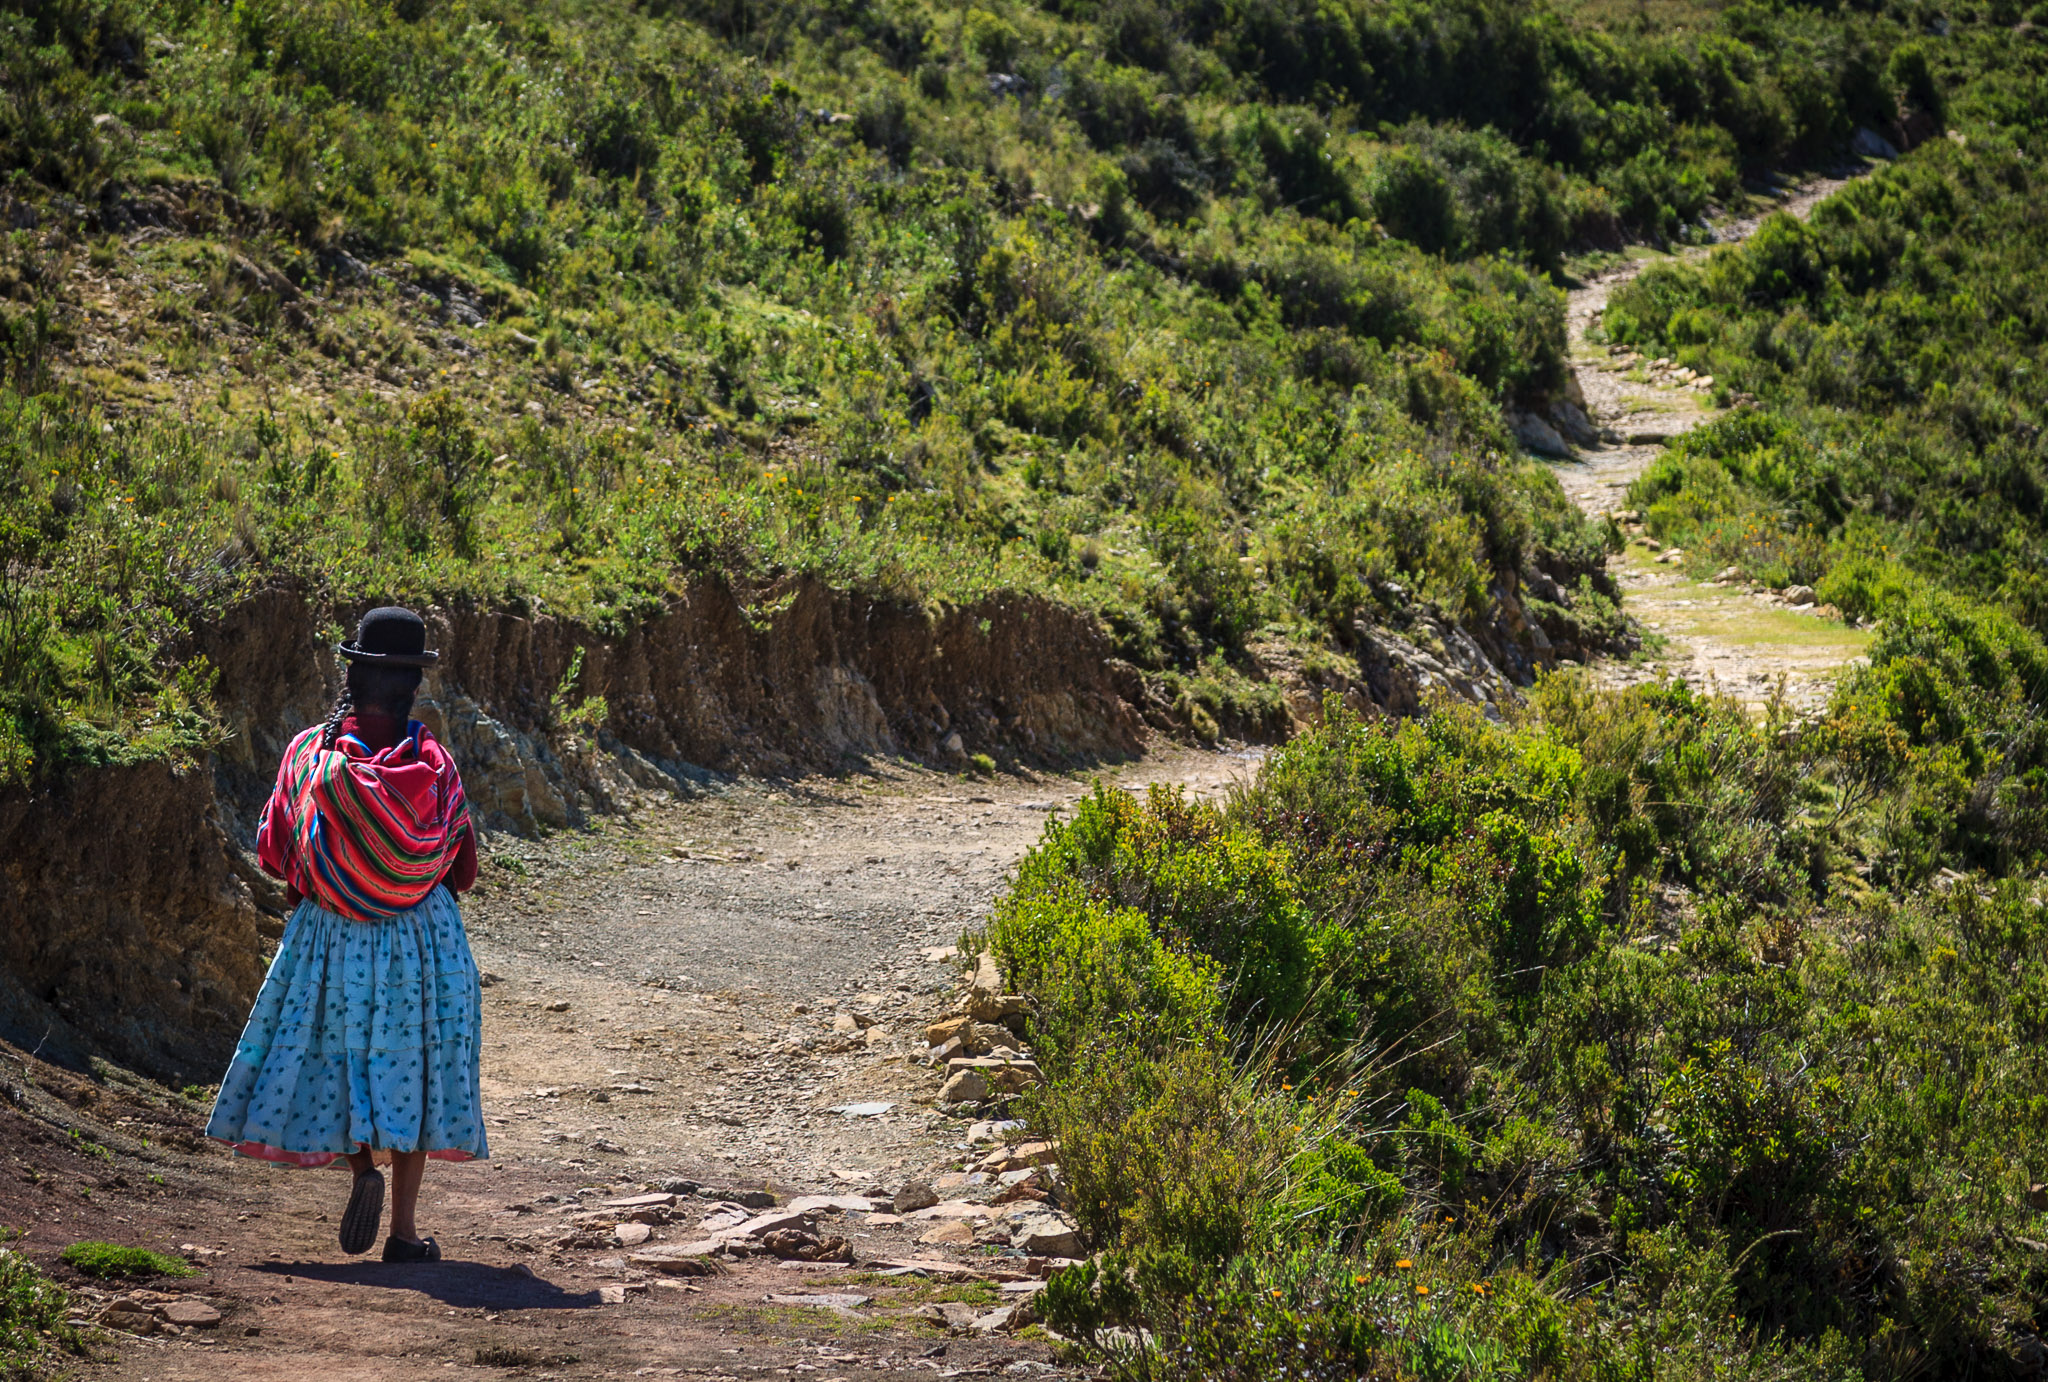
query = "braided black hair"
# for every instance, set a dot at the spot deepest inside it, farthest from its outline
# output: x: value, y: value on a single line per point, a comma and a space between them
x: 343, y: 704
x: 387, y: 689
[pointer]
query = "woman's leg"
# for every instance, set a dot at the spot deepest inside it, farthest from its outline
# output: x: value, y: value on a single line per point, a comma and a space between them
x: 359, y: 1161
x: 407, y: 1170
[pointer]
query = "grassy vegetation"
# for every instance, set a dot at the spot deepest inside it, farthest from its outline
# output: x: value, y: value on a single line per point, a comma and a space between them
x: 1625, y: 1040
x: 33, y: 1334
x: 113, y: 1260
x: 1633, y: 1037
x: 1200, y: 319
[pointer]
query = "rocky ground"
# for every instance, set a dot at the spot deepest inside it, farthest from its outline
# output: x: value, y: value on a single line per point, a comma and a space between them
x: 1723, y: 633
x: 705, y: 1062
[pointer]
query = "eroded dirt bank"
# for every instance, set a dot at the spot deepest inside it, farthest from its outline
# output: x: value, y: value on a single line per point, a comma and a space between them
x: 135, y: 909
x: 145, y: 946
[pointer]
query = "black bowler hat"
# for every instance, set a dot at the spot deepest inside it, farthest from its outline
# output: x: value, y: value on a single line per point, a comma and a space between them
x: 391, y: 637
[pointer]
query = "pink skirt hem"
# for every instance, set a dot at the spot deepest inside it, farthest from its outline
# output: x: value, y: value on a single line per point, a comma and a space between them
x: 264, y: 1152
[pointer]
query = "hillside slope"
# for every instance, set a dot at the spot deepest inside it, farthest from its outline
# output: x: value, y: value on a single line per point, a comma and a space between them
x: 779, y: 387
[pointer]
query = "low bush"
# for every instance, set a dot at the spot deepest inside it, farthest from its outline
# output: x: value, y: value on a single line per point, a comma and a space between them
x: 1610, y: 1012
x: 34, y: 1335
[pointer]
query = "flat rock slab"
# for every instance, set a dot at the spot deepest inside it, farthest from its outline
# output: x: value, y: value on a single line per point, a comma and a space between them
x: 950, y: 1209
x: 928, y: 1266
x: 987, y: 1063
x: 767, y: 1223
x: 641, y: 1202
x: 673, y: 1262
x: 825, y: 1300
x: 193, y: 1314
x: 843, y: 1204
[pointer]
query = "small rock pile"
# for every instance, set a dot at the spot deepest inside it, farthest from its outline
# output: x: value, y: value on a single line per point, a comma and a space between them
x: 148, y: 1313
x: 1663, y: 371
x: 980, y: 1043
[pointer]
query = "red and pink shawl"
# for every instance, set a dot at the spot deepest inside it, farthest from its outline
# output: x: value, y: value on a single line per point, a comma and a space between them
x: 365, y: 833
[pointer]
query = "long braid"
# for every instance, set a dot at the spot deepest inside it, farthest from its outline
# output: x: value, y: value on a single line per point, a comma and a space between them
x: 343, y: 704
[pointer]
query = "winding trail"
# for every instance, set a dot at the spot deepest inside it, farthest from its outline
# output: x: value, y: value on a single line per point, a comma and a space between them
x: 1724, y: 635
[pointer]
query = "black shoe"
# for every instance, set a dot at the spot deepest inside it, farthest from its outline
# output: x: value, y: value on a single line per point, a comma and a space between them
x: 364, y: 1213
x: 398, y: 1250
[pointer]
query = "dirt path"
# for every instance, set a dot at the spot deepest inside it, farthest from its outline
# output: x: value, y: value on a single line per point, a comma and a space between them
x: 660, y: 1012
x: 1745, y: 642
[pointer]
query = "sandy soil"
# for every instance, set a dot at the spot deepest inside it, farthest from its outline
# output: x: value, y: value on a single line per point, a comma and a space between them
x: 1730, y: 638
x: 684, y: 943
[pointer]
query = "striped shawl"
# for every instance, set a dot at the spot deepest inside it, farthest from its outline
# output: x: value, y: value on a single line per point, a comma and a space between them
x: 370, y: 832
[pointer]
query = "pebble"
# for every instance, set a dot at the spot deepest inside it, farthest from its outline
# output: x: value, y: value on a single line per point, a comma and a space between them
x: 953, y: 1314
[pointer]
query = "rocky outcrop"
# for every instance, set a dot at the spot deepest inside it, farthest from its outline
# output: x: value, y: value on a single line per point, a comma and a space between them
x: 708, y: 685
x: 827, y: 680
x: 1397, y: 666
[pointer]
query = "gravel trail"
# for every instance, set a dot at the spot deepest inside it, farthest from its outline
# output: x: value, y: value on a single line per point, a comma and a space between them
x: 1743, y: 642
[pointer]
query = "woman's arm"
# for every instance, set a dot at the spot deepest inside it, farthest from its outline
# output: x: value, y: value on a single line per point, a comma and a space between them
x: 274, y: 839
x: 461, y: 875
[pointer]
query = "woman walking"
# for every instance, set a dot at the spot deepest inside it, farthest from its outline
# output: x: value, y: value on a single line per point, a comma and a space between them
x: 364, y: 1036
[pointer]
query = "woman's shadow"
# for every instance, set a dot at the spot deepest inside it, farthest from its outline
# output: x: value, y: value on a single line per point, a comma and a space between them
x: 464, y: 1285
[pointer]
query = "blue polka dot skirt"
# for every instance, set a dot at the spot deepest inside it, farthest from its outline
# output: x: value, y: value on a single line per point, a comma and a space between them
x: 365, y: 1034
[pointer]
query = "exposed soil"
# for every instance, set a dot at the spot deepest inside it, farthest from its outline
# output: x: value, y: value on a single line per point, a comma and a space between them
x: 682, y: 940
x: 1728, y: 637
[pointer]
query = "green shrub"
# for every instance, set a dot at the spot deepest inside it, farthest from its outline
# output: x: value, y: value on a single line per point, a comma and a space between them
x: 1172, y: 1157
x: 1338, y: 1185
x: 33, y: 1310
x: 1102, y: 969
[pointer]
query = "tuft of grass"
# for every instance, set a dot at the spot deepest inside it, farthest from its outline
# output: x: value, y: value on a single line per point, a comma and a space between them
x: 109, y: 1261
x: 519, y: 1356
